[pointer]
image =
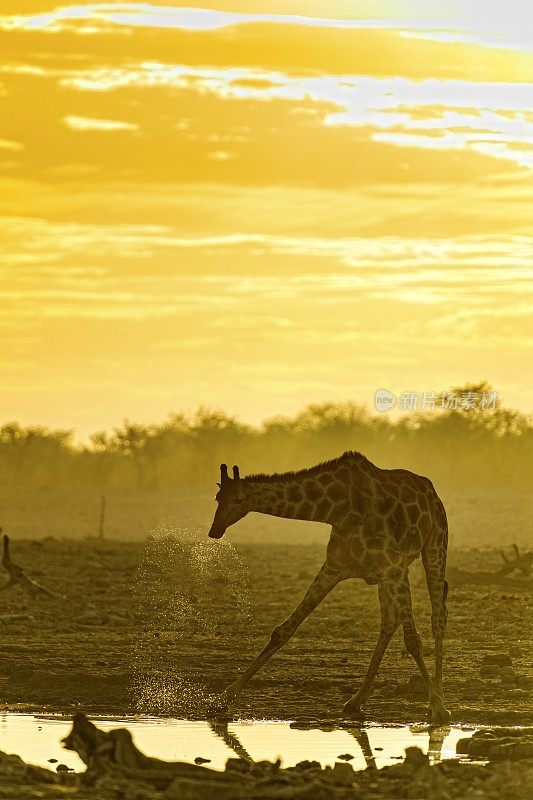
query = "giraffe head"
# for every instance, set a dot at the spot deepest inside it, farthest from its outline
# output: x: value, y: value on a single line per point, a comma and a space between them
x: 231, y: 502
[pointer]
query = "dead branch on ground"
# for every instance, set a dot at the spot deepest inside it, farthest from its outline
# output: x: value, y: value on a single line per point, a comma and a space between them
x: 522, y: 562
x: 17, y: 576
x: 114, y: 754
x: 502, y: 577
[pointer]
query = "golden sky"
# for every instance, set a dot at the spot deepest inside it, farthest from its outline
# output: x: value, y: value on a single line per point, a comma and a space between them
x: 258, y: 205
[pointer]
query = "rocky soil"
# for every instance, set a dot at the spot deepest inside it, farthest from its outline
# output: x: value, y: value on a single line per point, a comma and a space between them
x: 264, y: 781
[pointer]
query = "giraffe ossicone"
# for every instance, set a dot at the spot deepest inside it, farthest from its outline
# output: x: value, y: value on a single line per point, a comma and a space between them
x: 381, y: 520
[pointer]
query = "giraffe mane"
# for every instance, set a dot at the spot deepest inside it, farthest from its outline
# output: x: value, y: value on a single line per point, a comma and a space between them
x: 307, y: 471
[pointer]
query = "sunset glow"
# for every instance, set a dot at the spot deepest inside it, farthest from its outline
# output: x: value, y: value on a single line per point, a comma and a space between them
x: 235, y: 206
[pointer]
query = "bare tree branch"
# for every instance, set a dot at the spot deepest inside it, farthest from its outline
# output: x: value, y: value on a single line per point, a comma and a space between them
x: 523, y: 563
x: 502, y: 577
x: 17, y: 576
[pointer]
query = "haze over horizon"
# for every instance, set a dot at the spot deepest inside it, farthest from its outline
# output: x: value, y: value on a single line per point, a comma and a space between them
x: 240, y: 207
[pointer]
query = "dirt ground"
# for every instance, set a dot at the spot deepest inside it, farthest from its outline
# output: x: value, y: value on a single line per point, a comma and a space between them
x: 158, y: 626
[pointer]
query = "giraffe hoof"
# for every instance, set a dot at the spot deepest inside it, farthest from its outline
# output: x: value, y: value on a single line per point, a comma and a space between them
x: 353, y: 709
x: 439, y: 715
x: 220, y: 703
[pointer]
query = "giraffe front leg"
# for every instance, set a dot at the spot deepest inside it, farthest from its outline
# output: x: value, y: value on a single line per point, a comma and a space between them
x: 389, y: 624
x: 323, y: 583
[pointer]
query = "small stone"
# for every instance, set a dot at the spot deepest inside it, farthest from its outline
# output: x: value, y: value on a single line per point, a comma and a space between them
x: 342, y: 774
x: 237, y: 765
x: 415, y: 758
x: 508, y: 675
x: 394, y: 770
x: 305, y: 765
x: 265, y: 767
x: 479, y: 747
x: 511, y: 751
x: 304, y: 723
x: 463, y: 745
x: 498, y: 659
x: 490, y: 670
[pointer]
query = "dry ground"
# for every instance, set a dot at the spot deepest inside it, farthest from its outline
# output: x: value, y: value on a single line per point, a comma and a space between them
x: 154, y: 626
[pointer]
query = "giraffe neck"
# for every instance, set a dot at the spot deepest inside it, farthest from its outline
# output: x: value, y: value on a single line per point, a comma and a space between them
x: 296, y: 497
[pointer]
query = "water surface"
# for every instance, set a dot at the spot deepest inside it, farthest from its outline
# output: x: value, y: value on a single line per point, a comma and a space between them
x: 37, y: 739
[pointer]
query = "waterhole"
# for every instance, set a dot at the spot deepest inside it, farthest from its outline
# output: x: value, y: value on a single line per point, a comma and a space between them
x: 37, y: 739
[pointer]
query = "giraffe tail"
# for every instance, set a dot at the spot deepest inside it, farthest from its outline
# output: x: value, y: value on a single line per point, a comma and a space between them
x: 434, y: 553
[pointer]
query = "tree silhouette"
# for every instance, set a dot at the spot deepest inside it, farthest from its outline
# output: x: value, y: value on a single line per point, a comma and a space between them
x: 457, y: 446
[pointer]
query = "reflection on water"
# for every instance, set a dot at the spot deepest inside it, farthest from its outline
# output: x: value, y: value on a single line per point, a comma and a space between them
x: 37, y: 740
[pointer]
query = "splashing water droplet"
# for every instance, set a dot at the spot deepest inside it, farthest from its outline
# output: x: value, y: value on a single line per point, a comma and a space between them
x: 191, y: 596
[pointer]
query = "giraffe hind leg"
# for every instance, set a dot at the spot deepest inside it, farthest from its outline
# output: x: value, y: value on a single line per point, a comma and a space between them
x: 435, y: 565
x: 400, y: 590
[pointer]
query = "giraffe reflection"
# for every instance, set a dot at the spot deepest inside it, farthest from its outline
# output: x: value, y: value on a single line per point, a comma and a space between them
x: 437, y: 734
x: 381, y: 521
x: 231, y: 740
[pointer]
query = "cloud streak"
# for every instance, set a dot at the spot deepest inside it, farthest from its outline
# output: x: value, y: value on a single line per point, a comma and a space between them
x: 490, y: 118
x: 76, y: 123
x: 493, y: 28
x: 13, y: 147
x: 39, y: 258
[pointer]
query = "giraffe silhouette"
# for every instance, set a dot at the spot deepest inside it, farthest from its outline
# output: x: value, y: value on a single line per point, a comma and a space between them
x: 382, y: 519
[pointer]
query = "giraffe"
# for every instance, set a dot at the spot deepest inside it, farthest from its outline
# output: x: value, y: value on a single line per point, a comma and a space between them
x: 381, y: 520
